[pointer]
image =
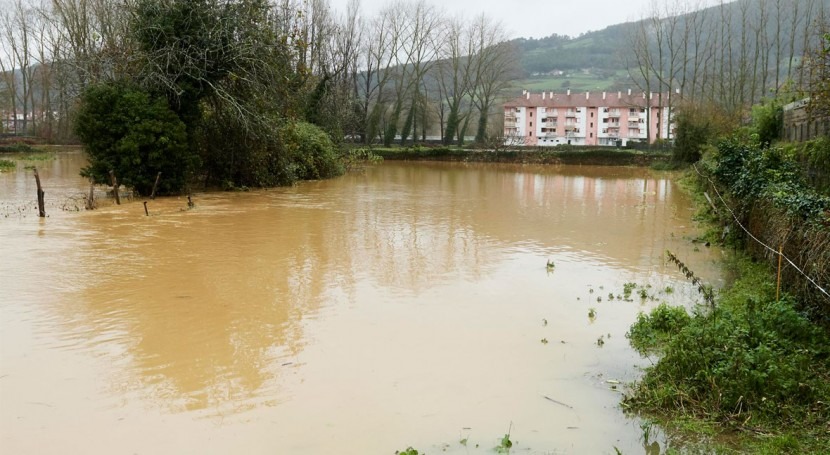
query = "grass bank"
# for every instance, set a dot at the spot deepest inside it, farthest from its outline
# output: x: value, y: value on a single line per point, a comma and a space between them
x: 750, y: 374
x: 578, y: 156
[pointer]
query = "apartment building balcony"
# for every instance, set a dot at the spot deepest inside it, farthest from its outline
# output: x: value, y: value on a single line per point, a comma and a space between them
x: 510, y: 124
x: 614, y: 125
x: 570, y: 113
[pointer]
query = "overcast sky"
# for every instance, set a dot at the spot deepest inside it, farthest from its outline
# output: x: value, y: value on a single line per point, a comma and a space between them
x: 536, y: 18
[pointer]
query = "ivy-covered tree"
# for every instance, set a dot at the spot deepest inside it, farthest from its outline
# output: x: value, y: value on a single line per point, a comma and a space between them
x: 127, y: 131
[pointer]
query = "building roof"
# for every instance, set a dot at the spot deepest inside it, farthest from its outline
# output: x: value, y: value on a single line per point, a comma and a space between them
x: 587, y: 99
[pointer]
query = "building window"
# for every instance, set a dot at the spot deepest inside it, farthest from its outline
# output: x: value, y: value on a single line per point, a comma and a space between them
x: 592, y: 124
x: 531, y: 134
x: 605, y: 120
x: 531, y: 123
x: 531, y: 113
x: 592, y: 134
x: 592, y: 115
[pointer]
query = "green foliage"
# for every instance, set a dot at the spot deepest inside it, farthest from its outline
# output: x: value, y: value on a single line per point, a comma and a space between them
x: 768, y: 121
x: 751, y: 359
x: 285, y: 153
x: 752, y: 173
x: 693, y: 131
x: 628, y: 288
x: 505, y: 444
x: 407, y: 451
x: 814, y: 160
x: 17, y: 148
x: 356, y: 157
x: 652, y: 331
x: 126, y: 130
x: 311, y: 152
x: 7, y: 164
x: 196, y: 50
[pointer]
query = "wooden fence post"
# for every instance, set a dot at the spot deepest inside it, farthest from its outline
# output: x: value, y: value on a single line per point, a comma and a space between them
x: 114, y: 181
x: 90, y: 201
x: 778, y: 287
x: 155, y: 185
x: 41, y: 209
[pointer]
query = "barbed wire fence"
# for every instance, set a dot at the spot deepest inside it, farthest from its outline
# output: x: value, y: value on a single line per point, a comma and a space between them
x: 776, y: 252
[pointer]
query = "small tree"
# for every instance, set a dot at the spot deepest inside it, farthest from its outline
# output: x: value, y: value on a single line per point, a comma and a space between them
x: 693, y: 132
x: 125, y: 130
x: 768, y: 120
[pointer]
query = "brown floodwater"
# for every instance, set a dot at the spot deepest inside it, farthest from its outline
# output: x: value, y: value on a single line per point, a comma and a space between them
x: 406, y: 305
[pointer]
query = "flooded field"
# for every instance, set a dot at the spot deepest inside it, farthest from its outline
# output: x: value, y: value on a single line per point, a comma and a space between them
x: 407, y: 305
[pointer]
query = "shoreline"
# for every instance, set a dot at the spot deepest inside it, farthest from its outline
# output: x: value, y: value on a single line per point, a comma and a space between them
x: 594, y: 157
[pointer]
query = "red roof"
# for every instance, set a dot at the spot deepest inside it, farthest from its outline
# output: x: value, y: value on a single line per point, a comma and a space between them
x: 593, y: 99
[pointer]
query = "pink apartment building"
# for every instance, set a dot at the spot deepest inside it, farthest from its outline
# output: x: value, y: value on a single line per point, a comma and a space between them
x: 599, y: 118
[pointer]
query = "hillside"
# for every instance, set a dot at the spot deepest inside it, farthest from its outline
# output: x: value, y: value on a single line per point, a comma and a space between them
x: 597, y: 60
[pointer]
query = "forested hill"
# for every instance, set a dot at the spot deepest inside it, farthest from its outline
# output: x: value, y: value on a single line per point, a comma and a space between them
x: 599, y: 49
x: 600, y: 59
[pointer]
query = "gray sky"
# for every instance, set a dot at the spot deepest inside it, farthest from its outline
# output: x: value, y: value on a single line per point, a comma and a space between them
x: 536, y: 18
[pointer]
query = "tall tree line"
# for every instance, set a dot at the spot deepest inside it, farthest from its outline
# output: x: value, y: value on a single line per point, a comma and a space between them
x: 398, y: 75
x: 731, y: 55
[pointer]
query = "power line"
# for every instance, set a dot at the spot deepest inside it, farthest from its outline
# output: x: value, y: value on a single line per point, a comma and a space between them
x: 772, y: 250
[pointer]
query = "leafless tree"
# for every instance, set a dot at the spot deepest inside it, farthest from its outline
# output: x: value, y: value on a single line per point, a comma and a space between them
x: 494, y: 66
x: 454, y: 75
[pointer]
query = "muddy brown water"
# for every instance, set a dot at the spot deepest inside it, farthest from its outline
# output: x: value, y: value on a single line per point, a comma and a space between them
x: 401, y: 306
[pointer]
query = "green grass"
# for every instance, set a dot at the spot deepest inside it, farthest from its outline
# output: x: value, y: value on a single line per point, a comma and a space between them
x: 577, y: 81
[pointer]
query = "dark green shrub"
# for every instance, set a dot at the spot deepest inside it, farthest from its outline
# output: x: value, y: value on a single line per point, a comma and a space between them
x: 126, y: 130
x: 751, y: 173
x: 653, y: 330
x: 752, y: 357
x: 312, y: 155
x: 768, y: 121
x: 280, y: 153
x: 17, y: 148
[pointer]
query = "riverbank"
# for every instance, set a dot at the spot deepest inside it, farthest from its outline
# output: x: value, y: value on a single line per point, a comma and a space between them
x: 748, y: 373
x: 576, y: 156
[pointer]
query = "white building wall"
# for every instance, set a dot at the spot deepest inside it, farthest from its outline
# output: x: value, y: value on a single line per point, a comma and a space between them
x: 521, y: 115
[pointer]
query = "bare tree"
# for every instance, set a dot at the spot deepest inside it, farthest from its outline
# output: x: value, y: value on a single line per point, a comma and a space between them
x: 455, y: 75
x: 17, y: 36
x: 494, y: 65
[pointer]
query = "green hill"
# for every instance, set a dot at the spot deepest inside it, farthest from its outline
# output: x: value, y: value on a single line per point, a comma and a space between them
x: 597, y: 60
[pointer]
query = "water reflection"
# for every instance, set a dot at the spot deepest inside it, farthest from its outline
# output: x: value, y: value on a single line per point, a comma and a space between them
x: 409, y: 290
